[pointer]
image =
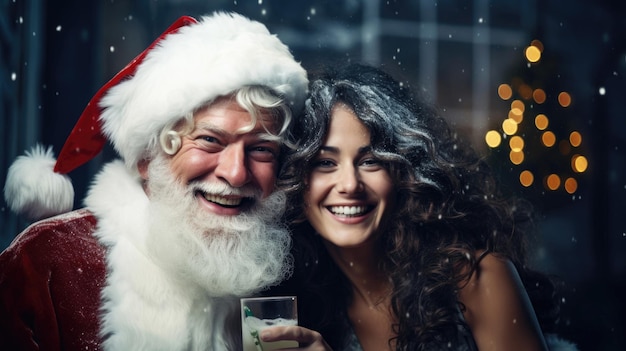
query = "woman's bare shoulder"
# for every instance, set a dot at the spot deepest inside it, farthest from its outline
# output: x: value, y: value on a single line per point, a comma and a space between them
x: 497, y: 307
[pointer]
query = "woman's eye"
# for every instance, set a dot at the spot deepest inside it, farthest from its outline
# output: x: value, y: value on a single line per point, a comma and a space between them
x: 371, y: 163
x: 323, y: 163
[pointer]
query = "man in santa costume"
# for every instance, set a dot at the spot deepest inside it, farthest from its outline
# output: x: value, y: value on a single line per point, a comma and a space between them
x: 183, y: 224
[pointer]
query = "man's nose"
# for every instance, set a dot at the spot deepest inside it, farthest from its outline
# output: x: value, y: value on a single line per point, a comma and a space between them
x: 232, y: 166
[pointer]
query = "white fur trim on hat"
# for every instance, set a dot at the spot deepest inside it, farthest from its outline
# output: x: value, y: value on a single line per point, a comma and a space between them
x: 195, y: 65
x: 188, y: 66
x: 33, y: 189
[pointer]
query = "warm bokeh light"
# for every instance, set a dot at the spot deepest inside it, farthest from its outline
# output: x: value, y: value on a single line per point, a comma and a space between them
x: 538, y: 44
x: 541, y: 121
x: 517, y: 115
x: 493, y: 138
x: 517, y: 111
x: 553, y: 182
x: 525, y: 91
x: 509, y: 126
x: 525, y: 100
x: 516, y: 157
x: 570, y: 185
x: 575, y: 138
x: 548, y: 138
x: 533, y: 54
x: 505, y: 92
x: 526, y: 178
x: 518, y: 104
x: 539, y: 95
x: 565, y: 99
x: 516, y: 143
x: 579, y: 163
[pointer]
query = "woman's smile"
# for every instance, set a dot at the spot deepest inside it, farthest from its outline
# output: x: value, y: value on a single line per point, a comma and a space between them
x: 350, y: 193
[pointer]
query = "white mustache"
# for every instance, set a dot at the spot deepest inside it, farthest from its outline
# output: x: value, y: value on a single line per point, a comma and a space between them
x: 223, y: 189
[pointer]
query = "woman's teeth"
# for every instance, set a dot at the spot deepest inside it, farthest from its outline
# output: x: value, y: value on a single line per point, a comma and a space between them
x: 348, y: 210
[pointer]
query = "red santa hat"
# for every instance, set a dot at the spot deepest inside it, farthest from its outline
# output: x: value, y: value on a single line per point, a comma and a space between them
x: 190, y: 64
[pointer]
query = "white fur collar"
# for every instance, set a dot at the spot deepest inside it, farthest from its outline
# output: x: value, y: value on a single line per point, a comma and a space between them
x: 142, y: 308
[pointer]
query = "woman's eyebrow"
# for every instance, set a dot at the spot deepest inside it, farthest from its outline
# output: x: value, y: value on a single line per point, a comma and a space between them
x: 335, y: 150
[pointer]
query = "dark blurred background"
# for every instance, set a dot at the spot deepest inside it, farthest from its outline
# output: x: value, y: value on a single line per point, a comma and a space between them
x: 481, y: 61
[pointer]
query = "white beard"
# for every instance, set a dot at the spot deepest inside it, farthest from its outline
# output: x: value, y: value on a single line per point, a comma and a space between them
x: 173, y: 271
x: 220, y: 255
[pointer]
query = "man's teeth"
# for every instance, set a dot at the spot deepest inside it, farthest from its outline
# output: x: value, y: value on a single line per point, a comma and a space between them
x: 223, y: 200
x: 348, y: 210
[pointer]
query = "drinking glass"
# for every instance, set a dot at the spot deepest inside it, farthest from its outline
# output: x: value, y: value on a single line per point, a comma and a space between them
x: 258, y: 313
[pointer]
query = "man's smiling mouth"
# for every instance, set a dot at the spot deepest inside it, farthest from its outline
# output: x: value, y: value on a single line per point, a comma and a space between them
x: 226, y: 201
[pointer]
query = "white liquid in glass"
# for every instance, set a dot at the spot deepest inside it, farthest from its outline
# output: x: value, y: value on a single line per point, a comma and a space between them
x: 252, y: 327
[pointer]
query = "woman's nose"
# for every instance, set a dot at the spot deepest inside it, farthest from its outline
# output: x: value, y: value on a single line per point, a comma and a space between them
x: 349, y: 181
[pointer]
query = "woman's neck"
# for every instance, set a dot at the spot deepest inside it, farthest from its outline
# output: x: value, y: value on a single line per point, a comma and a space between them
x: 370, y: 309
x: 362, y: 267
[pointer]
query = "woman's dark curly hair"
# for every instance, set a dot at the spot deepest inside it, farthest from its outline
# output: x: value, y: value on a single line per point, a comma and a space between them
x: 448, y: 209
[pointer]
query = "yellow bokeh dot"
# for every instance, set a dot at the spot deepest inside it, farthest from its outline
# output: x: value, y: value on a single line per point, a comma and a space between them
x: 553, y: 182
x: 516, y: 157
x: 575, y: 138
x: 516, y: 143
x: 538, y: 44
x: 565, y: 99
x: 526, y: 178
x: 493, y: 138
x: 517, y: 115
x: 505, y: 92
x: 533, y: 54
x: 571, y: 185
x: 518, y: 104
x: 539, y: 95
x: 548, y: 138
x: 579, y: 163
x: 541, y: 121
x: 509, y: 126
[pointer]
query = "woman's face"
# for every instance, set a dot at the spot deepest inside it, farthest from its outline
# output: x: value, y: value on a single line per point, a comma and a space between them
x: 350, y: 194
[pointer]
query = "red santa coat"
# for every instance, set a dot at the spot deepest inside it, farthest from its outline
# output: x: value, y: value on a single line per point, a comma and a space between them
x: 50, y: 284
x: 67, y: 281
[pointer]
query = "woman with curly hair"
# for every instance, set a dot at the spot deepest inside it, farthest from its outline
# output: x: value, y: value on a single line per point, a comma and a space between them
x: 403, y: 241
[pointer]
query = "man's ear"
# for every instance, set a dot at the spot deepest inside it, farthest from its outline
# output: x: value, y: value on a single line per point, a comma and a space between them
x: 171, y: 142
x: 142, y: 166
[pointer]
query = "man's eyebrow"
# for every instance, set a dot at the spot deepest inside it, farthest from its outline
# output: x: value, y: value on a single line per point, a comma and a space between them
x: 259, y: 133
x: 208, y: 126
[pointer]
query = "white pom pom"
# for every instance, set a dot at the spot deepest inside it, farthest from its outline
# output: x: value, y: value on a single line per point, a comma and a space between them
x: 34, y: 190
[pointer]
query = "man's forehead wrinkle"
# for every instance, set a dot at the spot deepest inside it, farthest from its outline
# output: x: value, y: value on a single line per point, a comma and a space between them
x: 207, y: 125
x: 258, y: 131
